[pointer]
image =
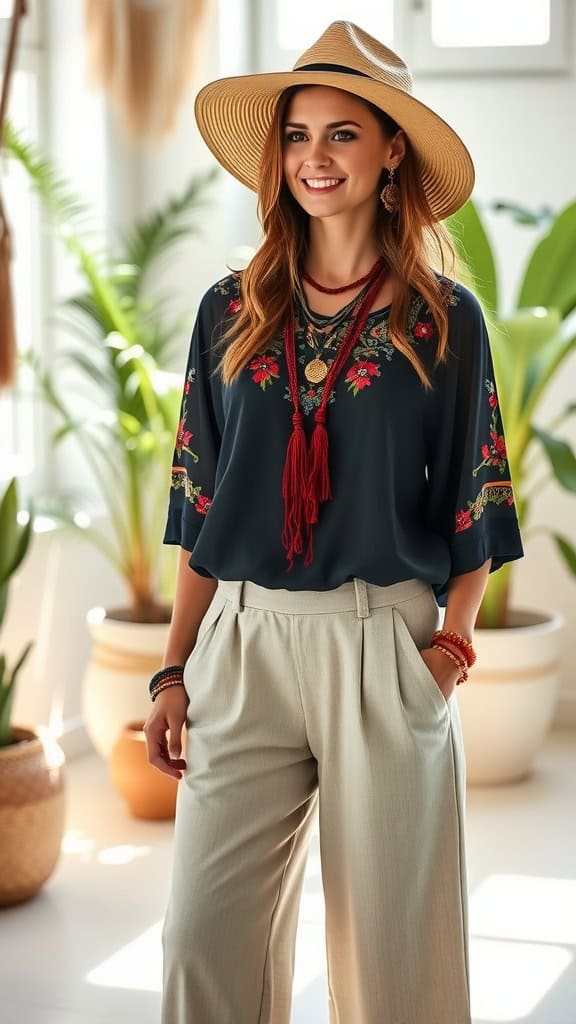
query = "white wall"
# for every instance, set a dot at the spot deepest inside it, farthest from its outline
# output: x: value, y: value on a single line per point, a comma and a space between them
x: 518, y: 132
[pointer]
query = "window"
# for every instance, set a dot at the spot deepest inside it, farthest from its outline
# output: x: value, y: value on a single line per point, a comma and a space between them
x: 434, y: 36
x: 285, y: 28
x: 489, y: 35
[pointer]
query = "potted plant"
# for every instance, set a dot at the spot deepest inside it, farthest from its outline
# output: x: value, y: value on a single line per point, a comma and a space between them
x: 32, y: 781
x: 509, y: 700
x: 121, y: 341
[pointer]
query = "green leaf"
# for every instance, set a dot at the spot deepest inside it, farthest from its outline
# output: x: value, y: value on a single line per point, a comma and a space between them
x: 8, y: 529
x: 567, y: 551
x: 561, y: 458
x: 550, y: 276
x: 473, y: 246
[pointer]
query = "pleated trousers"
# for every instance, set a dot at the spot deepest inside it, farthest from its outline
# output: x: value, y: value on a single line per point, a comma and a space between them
x: 305, y: 703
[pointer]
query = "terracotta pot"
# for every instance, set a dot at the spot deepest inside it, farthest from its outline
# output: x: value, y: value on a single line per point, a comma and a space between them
x: 148, y: 792
x: 32, y: 812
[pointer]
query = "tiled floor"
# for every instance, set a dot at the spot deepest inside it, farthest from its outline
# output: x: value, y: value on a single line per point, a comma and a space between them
x: 87, y: 950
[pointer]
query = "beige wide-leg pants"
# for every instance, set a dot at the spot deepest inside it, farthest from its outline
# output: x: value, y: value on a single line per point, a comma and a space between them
x: 305, y: 701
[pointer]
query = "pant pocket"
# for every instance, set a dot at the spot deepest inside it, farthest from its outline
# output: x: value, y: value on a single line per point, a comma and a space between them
x: 411, y: 645
x: 206, y: 631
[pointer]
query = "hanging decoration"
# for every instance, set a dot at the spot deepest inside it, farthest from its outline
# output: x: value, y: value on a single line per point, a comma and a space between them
x: 143, y: 52
x: 7, y: 326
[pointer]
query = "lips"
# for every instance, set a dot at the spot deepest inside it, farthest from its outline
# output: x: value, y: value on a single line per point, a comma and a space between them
x: 318, y: 188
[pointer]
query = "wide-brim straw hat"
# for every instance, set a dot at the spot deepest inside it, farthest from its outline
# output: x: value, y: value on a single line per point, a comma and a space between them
x: 234, y: 114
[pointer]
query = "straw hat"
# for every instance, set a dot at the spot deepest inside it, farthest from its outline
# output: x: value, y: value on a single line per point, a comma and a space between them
x: 234, y: 114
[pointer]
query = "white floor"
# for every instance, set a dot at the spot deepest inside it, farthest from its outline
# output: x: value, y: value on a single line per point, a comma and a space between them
x: 87, y: 948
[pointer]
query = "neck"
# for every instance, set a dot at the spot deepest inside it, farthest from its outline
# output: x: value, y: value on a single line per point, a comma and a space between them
x: 340, y: 249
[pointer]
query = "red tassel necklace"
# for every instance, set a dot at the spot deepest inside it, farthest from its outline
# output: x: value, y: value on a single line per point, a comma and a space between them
x: 306, y: 478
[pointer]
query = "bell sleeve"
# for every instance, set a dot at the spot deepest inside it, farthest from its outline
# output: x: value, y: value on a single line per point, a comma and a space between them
x: 198, y: 439
x: 471, y: 501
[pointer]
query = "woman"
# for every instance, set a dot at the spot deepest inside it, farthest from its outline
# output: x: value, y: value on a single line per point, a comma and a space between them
x: 339, y: 475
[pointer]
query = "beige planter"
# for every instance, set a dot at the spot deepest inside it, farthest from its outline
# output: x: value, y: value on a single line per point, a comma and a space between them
x: 124, y: 657
x: 507, y: 704
x: 32, y: 813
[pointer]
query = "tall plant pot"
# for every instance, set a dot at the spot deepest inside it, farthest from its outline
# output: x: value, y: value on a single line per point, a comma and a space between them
x: 508, y: 702
x: 124, y: 657
x: 32, y: 813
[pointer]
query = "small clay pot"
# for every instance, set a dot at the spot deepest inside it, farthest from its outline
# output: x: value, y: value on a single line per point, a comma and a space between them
x: 149, y: 792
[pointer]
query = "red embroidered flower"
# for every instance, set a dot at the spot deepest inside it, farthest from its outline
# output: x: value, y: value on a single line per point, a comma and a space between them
x: 495, y: 452
x: 203, y: 503
x: 424, y: 330
x: 463, y: 520
x: 509, y: 501
x: 265, y: 368
x: 187, y: 387
x: 234, y: 305
x: 182, y: 436
x: 359, y: 374
x: 492, y: 401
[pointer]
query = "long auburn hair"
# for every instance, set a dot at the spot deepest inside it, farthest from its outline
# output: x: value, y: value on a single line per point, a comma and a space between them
x: 411, y: 241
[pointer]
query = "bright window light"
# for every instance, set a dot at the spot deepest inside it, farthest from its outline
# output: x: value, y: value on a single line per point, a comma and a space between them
x: 300, y: 22
x: 490, y: 22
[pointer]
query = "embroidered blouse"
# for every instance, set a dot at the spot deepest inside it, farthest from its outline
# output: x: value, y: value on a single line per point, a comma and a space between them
x: 420, y: 480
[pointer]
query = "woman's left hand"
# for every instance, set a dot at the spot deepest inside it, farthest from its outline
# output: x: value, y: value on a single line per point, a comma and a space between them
x: 443, y: 669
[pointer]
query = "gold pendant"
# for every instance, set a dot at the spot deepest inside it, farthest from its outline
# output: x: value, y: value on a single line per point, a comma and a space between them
x: 315, y: 371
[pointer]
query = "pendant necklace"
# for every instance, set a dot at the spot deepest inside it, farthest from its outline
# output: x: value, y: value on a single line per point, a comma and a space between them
x: 316, y: 369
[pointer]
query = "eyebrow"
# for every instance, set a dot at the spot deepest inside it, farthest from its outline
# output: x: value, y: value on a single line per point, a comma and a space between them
x: 333, y: 124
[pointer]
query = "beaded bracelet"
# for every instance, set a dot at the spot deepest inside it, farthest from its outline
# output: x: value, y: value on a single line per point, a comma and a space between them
x: 458, y: 641
x: 164, y: 686
x: 457, y: 661
x: 170, y: 672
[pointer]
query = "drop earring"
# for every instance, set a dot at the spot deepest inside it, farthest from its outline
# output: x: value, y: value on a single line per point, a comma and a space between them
x: 390, y: 194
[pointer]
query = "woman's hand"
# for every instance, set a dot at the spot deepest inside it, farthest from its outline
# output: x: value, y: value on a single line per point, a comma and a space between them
x: 168, y: 714
x: 443, y: 669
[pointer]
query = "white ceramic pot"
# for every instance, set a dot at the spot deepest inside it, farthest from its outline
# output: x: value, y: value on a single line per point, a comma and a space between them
x: 124, y: 657
x: 508, y: 702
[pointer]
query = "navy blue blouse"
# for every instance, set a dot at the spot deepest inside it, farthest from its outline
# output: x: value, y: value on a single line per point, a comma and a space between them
x: 420, y: 480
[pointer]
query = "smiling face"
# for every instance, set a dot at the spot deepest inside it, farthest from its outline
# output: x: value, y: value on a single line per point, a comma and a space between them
x: 334, y: 151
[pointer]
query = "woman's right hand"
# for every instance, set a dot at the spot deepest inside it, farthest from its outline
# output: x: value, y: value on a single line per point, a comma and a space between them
x: 168, y: 715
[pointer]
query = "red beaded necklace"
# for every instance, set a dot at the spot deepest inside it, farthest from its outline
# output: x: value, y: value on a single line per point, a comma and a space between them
x: 344, y: 287
x: 306, y: 478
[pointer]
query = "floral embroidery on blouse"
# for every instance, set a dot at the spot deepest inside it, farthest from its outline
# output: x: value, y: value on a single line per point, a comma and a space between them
x: 373, y: 344
x: 493, y: 454
x: 495, y: 491
x: 179, y: 474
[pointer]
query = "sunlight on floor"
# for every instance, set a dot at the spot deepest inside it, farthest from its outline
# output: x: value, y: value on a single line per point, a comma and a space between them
x: 137, y: 965
x: 518, y: 925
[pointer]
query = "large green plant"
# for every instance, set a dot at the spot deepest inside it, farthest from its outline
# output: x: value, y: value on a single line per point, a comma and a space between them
x: 107, y: 389
x: 14, y: 542
x: 530, y: 347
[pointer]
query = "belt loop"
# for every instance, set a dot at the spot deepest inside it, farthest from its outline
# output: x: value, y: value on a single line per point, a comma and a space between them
x: 236, y: 600
x: 362, y: 606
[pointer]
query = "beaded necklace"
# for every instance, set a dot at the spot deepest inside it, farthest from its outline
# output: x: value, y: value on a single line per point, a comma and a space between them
x: 305, y: 477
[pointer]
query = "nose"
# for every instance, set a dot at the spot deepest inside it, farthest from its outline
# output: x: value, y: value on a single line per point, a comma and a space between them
x: 317, y: 155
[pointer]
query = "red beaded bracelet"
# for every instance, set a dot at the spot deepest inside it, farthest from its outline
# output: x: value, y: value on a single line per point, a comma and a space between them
x: 459, y: 641
x: 455, y: 658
